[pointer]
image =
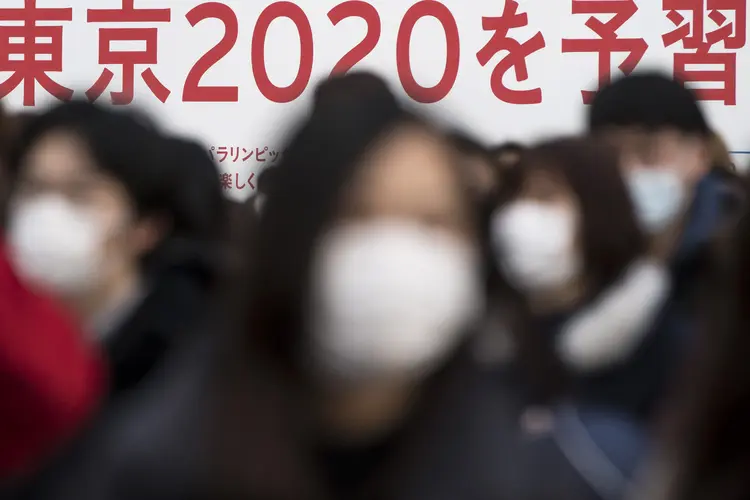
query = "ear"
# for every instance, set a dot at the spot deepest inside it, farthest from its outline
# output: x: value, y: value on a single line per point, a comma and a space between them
x: 148, y: 232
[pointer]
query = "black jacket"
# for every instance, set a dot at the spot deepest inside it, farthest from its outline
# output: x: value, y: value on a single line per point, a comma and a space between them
x: 176, y: 297
x: 210, y: 429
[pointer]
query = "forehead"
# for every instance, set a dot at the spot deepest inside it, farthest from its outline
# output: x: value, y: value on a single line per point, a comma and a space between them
x: 640, y: 138
x: 410, y: 167
x: 58, y: 155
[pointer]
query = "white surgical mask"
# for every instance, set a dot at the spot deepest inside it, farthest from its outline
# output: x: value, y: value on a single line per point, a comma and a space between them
x: 55, y: 244
x: 658, y: 195
x: 535, y: 245
x: 391, y: 298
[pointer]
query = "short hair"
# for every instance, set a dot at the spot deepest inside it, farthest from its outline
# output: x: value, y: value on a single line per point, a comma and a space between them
x: 124, y: 145
x: 649, y: 100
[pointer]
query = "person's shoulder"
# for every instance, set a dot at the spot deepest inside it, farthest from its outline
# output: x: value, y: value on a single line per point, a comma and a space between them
x: 154, y: 441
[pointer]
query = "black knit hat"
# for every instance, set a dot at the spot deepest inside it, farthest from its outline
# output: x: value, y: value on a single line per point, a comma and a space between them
x: 651, y: 101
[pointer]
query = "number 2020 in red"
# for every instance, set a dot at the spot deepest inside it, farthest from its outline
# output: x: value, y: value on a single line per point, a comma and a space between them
x: 195, y: 92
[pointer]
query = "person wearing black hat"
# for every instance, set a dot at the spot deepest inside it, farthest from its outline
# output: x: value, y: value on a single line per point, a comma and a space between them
x: 681, y: 203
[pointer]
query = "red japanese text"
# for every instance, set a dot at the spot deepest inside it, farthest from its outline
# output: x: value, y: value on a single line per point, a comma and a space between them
x: 29, y: 69
x: 702, y: 41
x: 516, y: 57
x: 608, y: 41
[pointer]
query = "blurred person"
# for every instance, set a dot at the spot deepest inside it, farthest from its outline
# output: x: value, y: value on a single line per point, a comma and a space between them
x: 51, y: 378
x: 98, y: 220
x: 482, y: 174
x: 578, y: 293
x: 681, y: 201
x: 705, y: 441
x: 353, y: 378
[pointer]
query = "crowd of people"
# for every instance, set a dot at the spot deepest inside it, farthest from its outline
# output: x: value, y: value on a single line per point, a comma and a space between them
x: 400, y: 312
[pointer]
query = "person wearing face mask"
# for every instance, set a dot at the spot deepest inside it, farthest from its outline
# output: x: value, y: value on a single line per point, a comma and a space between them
x: 682, y: 202
x: 576, y: 293
x: 353, y: 377
x: 51, y: 378
x: 96, y: 220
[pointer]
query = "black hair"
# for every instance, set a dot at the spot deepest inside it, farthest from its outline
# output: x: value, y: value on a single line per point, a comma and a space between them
x: 610, y: 232
x: 649, y: 100
x: 705, y: 432
x: 611, y: 241
x: 199, y: 208
x: 350, y: 115
x: 266, y: 180
x: 124, y: 145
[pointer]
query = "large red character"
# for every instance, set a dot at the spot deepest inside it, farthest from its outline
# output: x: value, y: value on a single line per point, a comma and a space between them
x: 608, y: 42
x: 699, y: 41
x: 128, y: 59
x: 516, y: 57
x: 29, y: 70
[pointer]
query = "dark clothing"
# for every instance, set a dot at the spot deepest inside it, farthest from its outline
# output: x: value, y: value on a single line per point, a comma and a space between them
x: 212, y: 430
x: 164, y: 318
x: 640, y: 386
x: 175, y: 298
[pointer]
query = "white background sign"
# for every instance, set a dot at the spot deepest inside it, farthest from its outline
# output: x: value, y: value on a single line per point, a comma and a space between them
x: 246, y: 65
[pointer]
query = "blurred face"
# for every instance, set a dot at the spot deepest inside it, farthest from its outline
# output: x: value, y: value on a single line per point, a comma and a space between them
x: 397, y: 280
x: 662, y: 169
x: 687, y: 155
x: 411, y: 176
x: 536, y: 236
x: 73, y: 228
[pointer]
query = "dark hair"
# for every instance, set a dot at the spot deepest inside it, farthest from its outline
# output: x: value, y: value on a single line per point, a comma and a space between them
x: 123, y: 144
x: 610, y: 232
x: 199, y: 208
x: 651, y: 101
x: 611, y: 240
x: 266, y: 180
x: 468, y: 145
x: 706, y: 433
x: 320, y: 158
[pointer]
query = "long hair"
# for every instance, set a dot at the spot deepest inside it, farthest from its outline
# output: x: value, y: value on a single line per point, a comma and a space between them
x: 351, y: 114
x: 707, y: 435
x: 350, y: 117
x: 610, y: 235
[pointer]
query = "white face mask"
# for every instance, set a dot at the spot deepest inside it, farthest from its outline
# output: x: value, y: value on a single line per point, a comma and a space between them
x: 391, y: 298
x: 535, y: 245
x: 658, y: 195
x: 55, y: 244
